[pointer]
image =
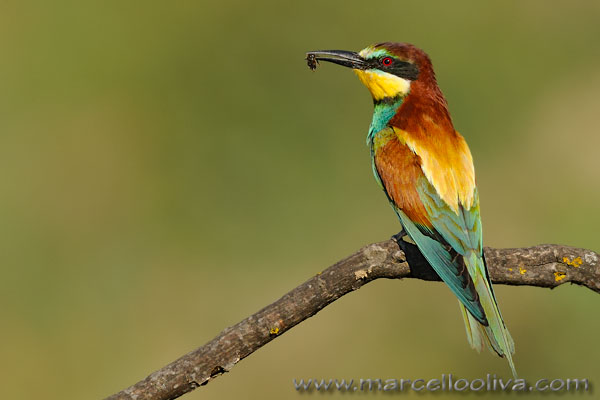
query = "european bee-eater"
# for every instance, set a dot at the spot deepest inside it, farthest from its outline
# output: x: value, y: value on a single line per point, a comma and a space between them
x: 425, y: 168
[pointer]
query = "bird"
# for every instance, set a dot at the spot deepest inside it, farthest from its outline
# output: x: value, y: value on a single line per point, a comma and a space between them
x: 425, y: 169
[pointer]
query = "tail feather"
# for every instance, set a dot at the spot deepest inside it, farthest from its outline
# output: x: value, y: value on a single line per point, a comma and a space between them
x: 476, y: 339
x: 495, y: 335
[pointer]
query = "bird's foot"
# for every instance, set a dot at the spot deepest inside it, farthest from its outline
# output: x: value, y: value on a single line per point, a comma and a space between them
x: 398, y: 236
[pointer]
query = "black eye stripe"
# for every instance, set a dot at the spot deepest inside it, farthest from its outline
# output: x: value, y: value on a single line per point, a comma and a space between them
x: 403, y: 69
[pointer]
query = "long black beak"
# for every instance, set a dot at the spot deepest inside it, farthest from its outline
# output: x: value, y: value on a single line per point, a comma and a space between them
x: 346, y: 58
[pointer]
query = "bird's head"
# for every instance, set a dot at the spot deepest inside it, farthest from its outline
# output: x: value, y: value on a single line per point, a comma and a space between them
x: 387, y: 69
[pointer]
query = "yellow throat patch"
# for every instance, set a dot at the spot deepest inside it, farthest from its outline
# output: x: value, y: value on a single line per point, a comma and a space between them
x: 382, y: 84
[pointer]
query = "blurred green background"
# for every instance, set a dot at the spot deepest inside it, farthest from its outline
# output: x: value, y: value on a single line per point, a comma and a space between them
x: 168, y: 168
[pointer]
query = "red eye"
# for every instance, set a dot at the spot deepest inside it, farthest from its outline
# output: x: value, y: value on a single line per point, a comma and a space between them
x: 387, y: 61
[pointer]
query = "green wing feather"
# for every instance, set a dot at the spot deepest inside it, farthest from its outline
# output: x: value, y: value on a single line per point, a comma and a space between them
x: 453, y: 247
x: 446, y: 266
x: 455, y: 251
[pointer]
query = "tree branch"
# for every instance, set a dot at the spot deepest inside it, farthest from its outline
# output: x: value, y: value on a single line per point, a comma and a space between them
x: 542, y: 266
